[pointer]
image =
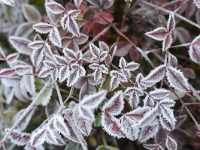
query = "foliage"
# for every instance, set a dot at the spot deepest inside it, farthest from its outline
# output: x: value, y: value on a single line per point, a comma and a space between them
x: 75, y: 69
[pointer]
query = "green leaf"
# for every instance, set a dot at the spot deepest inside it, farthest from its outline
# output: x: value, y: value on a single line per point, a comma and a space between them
x: 73, y: 146
x: 97, y: 122
x: 31, y: 13
x: 45, y: 97
x: 103, y: 147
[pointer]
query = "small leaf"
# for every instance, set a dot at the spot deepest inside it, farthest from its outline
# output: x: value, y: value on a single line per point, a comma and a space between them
x: 157, y: 34
x: 55, y: 38
x: 171, y: 22
x: 159, y: 94
x: 38, y: 137
x: 176, y: 79
x: 18, y: 137
x: 43, y: 27
x: 54, y: 7
x: 123, y: 47
x: 167, y: 42
x: 21, y: 45
x: 115, y: 105
x: 171, y: 143
x: 103, y: 18
x: 31, y: 13
x: 7, y: 72
x: 172, y: 60
x: 2, y: 54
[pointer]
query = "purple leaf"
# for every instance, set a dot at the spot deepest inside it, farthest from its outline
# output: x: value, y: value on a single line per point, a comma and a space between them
x: 172, y: 60
x: 115, y: 105
x: 38, y: 137
x: 8, y: 2
x: 123, y: 47
x: 194, y: 53
x: 171, y: 143
x: 92, y: 101
x: 54, y: 37
x: 21, y: 45
x: 51, y: 108
x: 53, y: 137
x: 157, y: 34
x: 12, y: 58
x: 180, y: 121
x: 29, y: 147
x: 153, y: 146
x: 2, y: 54
x: 24, y: 29
x: 176, y: 79
x: 54, y: 7
x: 43, y: 27
x: 7, y: 72
x: 77, y: 3
x: 159, y: 94
x: 148, y: 132
x: 183, y: 35
x: 171, y: 23
x: 18, y: 137
x: 112, y: 125
x: 167, y: 42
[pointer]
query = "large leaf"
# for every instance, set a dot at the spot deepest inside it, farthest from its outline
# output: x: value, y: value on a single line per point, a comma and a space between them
x: 31, y: 13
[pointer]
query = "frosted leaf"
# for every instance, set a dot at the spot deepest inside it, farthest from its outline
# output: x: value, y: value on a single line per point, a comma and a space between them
x: 167, y: 113
x: 54, y: 7
x: 22, y: 69
x: 133, y: 90
x: 194, y: 53
x: 138, y: 113
x: 45, y: 72
x: 115, y: 105
x: 153, y: 147
x: 94, y: 50
x: 18, y: 137
x: 171, y: 143
x: 84, y: 125
x: 103, y: 46
x: 172, y: 60
x: 36, y: 44
x: 76, y: 72
x: 53, y: 137
x: 29, y: 147
x: 54, y: 37
x: 166, y: 125
x: 86, y: 113
x: 180, y: 120
x: 28, y: 81
x: 92, y: 101
x: 38, y: 137
x: 45, y: 97
x: 176, y: 79
x: 149, y: 117
x: 82, y: 38
x: 130, y: 132
x: 86, y: 89
x: 60, y: 126
x: 171, y: 23
x: 70, y: 54
x: 68, y: 22
x: 7, y: 72
x: 21, y: 45
x: 37, y: 56
x: 148, y: 132
x: 158, y: 34
x: 63, y: 73
x: 31, y: 13
x: 167, y: 42
x: 154, y: 76
x: 112, y: 125
x: 2, y: 54
x: 43, y: 27
x: 98, y: 70
x: 149, y: 101
x: 138, y: 80
x: 116, y: 78
x: 167, y: 102
x: 12, y: 58
x: 159, y: 93
x: 8, y: 2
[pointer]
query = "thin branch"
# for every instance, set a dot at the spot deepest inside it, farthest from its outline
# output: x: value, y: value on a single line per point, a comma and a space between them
x: 58, y: 92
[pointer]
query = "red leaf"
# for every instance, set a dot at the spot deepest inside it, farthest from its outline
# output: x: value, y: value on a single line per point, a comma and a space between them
x: 112, y: 125
x: 188, y: 72
x: 12, y: 57
x: 22, y: 69
x: 7, y: 72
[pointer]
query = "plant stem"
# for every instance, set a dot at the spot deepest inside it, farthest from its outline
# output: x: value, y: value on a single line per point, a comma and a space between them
x: 59, y: 95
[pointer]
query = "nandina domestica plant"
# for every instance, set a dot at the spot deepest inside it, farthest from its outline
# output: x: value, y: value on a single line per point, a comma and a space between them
x: 94, y: 74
